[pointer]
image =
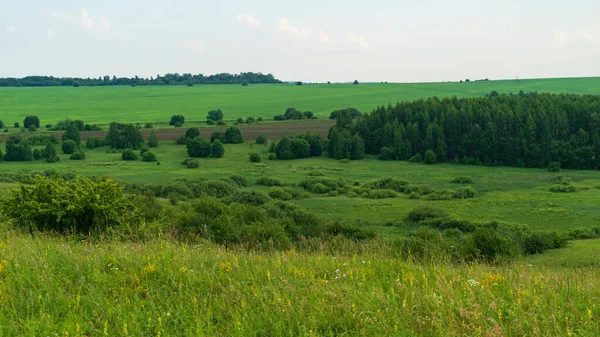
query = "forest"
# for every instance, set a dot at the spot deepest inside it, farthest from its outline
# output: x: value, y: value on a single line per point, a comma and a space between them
x: 168, y: 79
x: 523, y: 130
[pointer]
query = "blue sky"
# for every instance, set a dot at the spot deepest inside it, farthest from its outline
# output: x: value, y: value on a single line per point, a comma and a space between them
x: 309, y: 40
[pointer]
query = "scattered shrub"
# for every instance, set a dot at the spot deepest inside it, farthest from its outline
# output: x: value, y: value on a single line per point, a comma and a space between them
x: 68, y: 146
x: 233, y: 135
x: 254, y: 157
x: 217, y: 149
x: 251, y: 197
x: 465, y: 192
x: 426, y: 212
x: 430, y: 157
x: 192, y: 163
x: 344, y: 161
x: 79, y: 155
x: 272, y: 156
x: 268, y: 181
x: 279, y: 193
x: 37, y: 154
x: 128, y: 154
x: 177, y: 120
x: 554, y: 167
x: 463, y: 180
x: 192, y: 133
x: 198, y: 148
x: 387, y: 153
x: 262, y: 139
x: 93, y: 142
x: 563, y: 188
x: 149, y: 156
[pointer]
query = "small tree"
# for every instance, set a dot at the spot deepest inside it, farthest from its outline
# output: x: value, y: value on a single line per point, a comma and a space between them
x: 68, y: 146
x: 50, y: 153
x: 233, y: 135
x: 299, y: 83
x: 198, y: 148
x: 254, y: 157
x: 355, y: 82
x: 37, y: 154
x: 217, y: 135
x: 31, y: 120
x: 554, y: 167
x: 192, y: 133
x: 149, y: 156
x: 430, y: 157
x: 128, y: 154
x: 217, y: 149
x: 262, y: 139
x: 177, y: 119
x: 78, y: 155
x: 32, y: 128
x: 152, y: 140
x: 72, y: 133
x: 215, y: 115
x: 283, y: 149
x: 1, y: 125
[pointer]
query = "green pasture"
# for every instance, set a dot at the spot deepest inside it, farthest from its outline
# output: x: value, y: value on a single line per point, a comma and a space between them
x: 102, y: 105
x: 507, y: 194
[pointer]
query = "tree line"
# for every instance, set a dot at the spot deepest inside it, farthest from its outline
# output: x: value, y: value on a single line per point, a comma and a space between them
x: 524, y: 130
x: 168, y: 79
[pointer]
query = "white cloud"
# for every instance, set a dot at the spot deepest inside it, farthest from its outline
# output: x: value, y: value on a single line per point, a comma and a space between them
x: 102, y: 25
x: 324, y: 37
x: 10, y: 29
x: 248, y: 20
x: 299, y: 33
x: 359, y: 40
x: 563, y: 38
x: 193, y: 45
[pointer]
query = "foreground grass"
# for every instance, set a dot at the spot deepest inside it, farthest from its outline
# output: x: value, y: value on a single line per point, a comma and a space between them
x: 55, y: 286
x: 102, y: 105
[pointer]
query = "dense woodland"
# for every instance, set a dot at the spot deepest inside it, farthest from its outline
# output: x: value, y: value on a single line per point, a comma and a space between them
x: 524, y: 130
x: 168, y: 79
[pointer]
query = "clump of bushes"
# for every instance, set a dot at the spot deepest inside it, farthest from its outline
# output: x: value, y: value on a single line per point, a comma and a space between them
x: 149, y: 156
x: 128, y: 154
x: 463, y: 180
x: 279, y: 193
x: 269, y: 181
x: 322, y: 185
x: 254, y: 157
x: 563, y: 188
x: 79, y: 155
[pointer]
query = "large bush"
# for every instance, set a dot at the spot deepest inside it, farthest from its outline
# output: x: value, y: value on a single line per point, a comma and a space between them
x: 177, y: 119
x: 192, y: 133
x: 149, y: 156
x: 128, y: 154
x: 82, y: 205
x: 233, y: 135
x: 217, y: 149
x: 31, y: 120
x: 198, y: 148
x: 68, y: 146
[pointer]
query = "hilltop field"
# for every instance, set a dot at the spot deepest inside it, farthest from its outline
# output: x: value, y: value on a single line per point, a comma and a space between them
x: 108, y: 241
x: 124, y: 104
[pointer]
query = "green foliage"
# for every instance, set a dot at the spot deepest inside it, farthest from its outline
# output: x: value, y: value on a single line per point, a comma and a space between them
x: 31, y: 120
x: 430, y: 157
x: 283, y: 149
x: 262, y: 139
x: 32, y: 128
x: 149, y: 156
x: 217, y: 135
x: 464, y: 192
x: 215, y: 115
x: 50, y: 153
x: 128, y: 154
x: 321, y: 185
x: 269, y: 181
x: 82, y: 205
x: 68, y: 146
x: 554, y: 167
x: 300, y: 148
x: 425, y: 213
x: 463, y: 180
x: 217, y: 149
x: 152, y: 140
x: 198, y: 148
x: 94, y: 142
x: 78, y: 155
x: 177, y: 119
x: 233, y: 135
x: 192, y: 133
x: 254, y: 157
x: 280, y: 194
x: 37, y: 154
x: 192, y: 163
x: 72, y: 133
x: 563, y: 188
x: 250, y: 197
x: 387, y: 153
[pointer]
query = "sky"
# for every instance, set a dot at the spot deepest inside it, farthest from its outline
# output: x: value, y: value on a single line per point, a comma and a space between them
x: 303, y: 40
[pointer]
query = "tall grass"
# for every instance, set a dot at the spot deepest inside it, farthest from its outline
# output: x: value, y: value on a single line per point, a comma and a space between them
x: 69, y: 287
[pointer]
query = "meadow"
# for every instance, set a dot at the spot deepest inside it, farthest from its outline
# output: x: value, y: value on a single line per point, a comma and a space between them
x: 101, y: 105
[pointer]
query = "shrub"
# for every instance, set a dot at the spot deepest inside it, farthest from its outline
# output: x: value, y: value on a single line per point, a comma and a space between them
x: 149, y: 156
x: 463, y: 180
x: 16, y: 125
x: 279, y: 193
x: 198, y: 148
x: 416, y: 158
x: 251, y: 197
x: 152, y: 140
x: 82, y: 205
x: 93, y: 142
x: 344, y: 161
x: 32, y: 128
x: 50, y: 153
x: 268, y: 181
x: 388, y: 183
x: 250, y: 120
x: 79, y: 155
x: 238, y: 180
x: 563, y: 188
x: 68, y: 146
x: 387, y: 153
x: 148, y: 126
x: 181, y: 140
x: 554, y: 167
x: 217, y: 149
x: 177, y: 119
x: 465, y: 192
x: 192, y: 164
x: 144, y: 150
x: 272, y: 156
x: 210, y: 122
x: 259, y: 119
x: 254, y: 157
x: 300, y: 148
x: 563, y: 180
x: 178, y: 125
x: 240, y: 120
x: 37, y: 154
x: 221, y: 122
x: 31, y: 120
x: 381, y: 194
x: 262, y: 139
x: 217, y: 135
x: 215, y: 115
x: 192, y: 133
x: 128, y: 154
x: 233, y: 135
x: 426, y: 212
x: 430, y: 157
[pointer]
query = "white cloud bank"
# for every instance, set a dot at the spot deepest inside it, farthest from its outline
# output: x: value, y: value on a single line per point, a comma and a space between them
x: 248, y: 20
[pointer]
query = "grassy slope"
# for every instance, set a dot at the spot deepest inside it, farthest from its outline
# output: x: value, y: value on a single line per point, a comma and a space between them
x: 156, y: 104
x: 507, y: 194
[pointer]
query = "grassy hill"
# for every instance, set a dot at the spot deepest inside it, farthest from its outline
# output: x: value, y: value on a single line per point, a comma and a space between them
x: 102, y: 105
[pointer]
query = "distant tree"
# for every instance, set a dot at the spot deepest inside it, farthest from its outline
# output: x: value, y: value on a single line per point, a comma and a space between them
x: 240, y: 120
x: 217, y: 135
x: 50, y: 153
x: 37, y: 154
x: 217, y: 149
x: 292, y: 113
x: 177, y: 119
x: 430, y: 157
x: 93, y: 142
x: 132, y: 138
x: 245, y: 84
x: 68, y: 146
x: 308, y: 115
x: 233, y: 135
x: 494, y: 93
x: 299, y: 83
x: 128, y: 154
x: 283, y: 149
x: 192, y: 133
x: 215, y: 115
x: 79, y: 124
x: 250, y: 120
x: 1, y: 125
x: 198, y: 147
x: 16, y: 125
x: 152, y: 140
x: 113, y: 137
x: 72, y: 133
x: 355, y: 82
x: 31, y: 120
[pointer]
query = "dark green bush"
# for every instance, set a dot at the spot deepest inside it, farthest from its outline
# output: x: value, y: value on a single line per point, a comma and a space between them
x: 554, y: 167
x: 463, y: 180
x: 149, y: 156
x: 217, y: 149
x: 37, y: 154
x: 251, y: 197
x: 68, y: 146
x: 192, y: 163
x: 94, y: 142
x: 262, y: 139
x: 238, y: 180
x: 79, y: 155
x: 426, y: 212
x: 128, y: 154
x: 254, y: 157
x: 268, y: 181
x: 387, y: 153
x: 464, y: 192
x: 198, y: 148
x: 279, y: 193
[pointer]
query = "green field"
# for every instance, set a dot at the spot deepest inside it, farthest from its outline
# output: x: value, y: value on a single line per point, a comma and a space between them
x: 508, y: 194
x: 102, y: 105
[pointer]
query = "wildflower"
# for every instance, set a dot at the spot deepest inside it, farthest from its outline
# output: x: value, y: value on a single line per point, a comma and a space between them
x: 473, y: 283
